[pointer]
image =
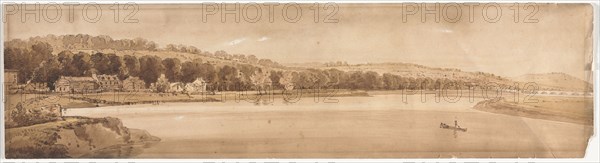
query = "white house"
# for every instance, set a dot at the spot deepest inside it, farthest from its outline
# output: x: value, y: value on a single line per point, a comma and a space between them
x: 198, y: 86
x: 176, y: 87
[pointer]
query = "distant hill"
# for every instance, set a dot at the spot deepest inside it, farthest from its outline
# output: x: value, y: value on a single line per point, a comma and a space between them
x: 549, y: 81
x: 138, y: 47
x: 556, y: 81
x: 417, y: 71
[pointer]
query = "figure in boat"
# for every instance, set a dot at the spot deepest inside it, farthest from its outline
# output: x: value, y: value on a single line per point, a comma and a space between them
x: 456, y: 127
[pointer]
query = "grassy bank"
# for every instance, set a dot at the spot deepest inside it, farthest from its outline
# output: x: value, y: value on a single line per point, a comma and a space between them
x: 76, y: 137
x: 35, y: 129
x: 577, y: 110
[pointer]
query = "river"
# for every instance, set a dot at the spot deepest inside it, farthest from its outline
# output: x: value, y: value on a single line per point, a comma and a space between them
x: 353, y: 127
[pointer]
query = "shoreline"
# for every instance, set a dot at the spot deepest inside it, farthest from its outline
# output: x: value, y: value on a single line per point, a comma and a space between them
x: 296, y: 123
x: 77, y: 137
x: 103, y: 100
x: 118, y: 147
x: 35, y: 128
x: 547, y: 109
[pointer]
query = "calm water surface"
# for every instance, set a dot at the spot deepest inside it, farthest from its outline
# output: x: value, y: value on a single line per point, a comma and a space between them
x: 354, y: 127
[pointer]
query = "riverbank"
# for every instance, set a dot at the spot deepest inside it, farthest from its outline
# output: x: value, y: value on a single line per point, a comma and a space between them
x: 232, y: 129
x: 36, y: 128
x: 380, y: 126
x: 576, y: 110
x: 76, y: 137
x: 133, y: 98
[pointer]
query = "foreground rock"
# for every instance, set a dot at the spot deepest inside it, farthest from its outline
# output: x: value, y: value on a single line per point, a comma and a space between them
x: 76, y: 137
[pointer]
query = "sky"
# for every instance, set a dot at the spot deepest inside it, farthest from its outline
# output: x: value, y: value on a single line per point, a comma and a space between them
x: 541, y: 38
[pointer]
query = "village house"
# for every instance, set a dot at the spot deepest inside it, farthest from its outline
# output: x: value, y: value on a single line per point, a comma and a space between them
x: 11, y: 79
x: 133, y: 84
x: 153, y: 87
x: 108, y: 82
x: 76, y: 84
x: 87, y: 84
x: 176, y: 87
x: 198, y: 86
x: 36, y: 88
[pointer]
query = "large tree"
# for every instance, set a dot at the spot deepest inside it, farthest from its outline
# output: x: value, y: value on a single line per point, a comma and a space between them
x: 191, y: 70
x: 371, y: 80
x: 210, y: 75
x: 228, y: 77
x: 390, y: 81
x: 286, y: 81
x: 27, y: 60
x: 261, y: 79
x: 49, y: 72
x: 82, y: 63
x: 172, y: 69
x: 65, y: 58
x: 150, y: 69
x: 117, y: 66
x: 132, y: 65
x: 101, y: 63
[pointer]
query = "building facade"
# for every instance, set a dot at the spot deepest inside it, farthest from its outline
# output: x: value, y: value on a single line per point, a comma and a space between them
x: 11, y: 77
x: 176, y: 87
x: 108, y: 82
x: 198, y: 86
x: 76, y: 84
x: 133, y: 84
x: 36, y: 88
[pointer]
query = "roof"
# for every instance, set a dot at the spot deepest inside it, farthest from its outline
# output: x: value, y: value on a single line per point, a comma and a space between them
x: 175, y: 84
x: 78, y: 79
x: 199, y: 79
x: 107, y: 77
x: 133, y: 78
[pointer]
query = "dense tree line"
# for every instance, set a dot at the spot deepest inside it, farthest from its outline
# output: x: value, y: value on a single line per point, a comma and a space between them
x: 84, y: 41
x: 37, y: 64
x: 27, y: 60
x: 369, y: 80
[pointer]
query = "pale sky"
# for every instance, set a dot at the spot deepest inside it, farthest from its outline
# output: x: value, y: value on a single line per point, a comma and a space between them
x: 559, y: 42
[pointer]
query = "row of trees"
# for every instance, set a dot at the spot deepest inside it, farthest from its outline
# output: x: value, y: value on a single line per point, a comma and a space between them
x: 250, y: 59
x: 84, y: 41
x: 337, y: 63
x: 369, y: 80
x: 37, y: 64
